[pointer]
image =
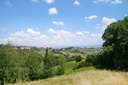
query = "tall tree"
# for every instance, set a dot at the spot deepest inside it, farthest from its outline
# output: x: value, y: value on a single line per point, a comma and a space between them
x: 116, y: 36
x: 48, y: 64
x: 35, y: 65
x: 61, y: 65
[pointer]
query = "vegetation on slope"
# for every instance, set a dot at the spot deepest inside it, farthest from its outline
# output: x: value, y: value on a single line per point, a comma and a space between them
x: 27, y: 64
x: 33, y: 64
x: 96, y: 77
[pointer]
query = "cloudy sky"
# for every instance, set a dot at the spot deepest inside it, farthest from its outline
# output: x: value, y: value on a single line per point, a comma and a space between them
x: 58, y: 22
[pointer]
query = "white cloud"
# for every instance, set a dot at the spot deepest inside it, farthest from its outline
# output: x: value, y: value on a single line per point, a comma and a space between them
x: 62, y: 38
x: 109, y: 1
x: 35, y: 1
x: 17, y: 40
x: 7, y: 3
x: 117, y: 2
x: 51, y: 31
x: 27, y: 34
x: 54, y: 38
x: 86, y: 33
x: 57, y: 37
x: 104, y: 23
x: 96, y: 35
x: 79, y: 34
x: 43, y: 36
x: 62, y: 33
x: 58, y: 23
x: 49, y: 1
x: 53, y: 11
x: 77, y: 3
x: 107, y: 21
x: 20, y: 34
x: 91, y: 17
x: 95, y: 39
x: 28, y: 37
x: 32, y: 32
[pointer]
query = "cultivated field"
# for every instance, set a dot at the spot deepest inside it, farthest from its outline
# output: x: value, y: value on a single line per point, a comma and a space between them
x: 90, y: 77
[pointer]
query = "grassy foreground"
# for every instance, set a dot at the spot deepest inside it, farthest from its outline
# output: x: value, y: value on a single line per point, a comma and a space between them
x: 96, y: 77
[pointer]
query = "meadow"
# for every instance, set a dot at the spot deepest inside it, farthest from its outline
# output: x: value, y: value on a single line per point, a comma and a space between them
x: 89, y: 77
x: 83, y: 76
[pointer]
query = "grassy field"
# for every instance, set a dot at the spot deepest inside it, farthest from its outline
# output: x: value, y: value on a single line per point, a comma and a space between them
x: 70, y: 65
x: 83, y: 76
x: 90, y: 77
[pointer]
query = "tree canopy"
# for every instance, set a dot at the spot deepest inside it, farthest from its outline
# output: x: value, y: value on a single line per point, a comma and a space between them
x: 116, y: 37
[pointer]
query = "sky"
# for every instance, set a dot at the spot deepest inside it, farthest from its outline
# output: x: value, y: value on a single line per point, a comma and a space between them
x: 50, y: 23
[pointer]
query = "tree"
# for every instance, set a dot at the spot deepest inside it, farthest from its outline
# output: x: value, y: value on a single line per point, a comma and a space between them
x: 78, y: 58
x: 48, y: 64
x: 19, y: 65
x: 90, y: 59
x: 35, y: 65
x: 116, y: 37
x: 61, y: 65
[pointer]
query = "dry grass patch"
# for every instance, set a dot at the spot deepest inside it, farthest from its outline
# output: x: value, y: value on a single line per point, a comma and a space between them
x: 96, y: 77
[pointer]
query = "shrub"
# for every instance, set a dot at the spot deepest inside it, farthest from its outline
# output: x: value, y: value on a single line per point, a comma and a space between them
x: 82, y: 64
x: 78, y: 58
x: 91, y: 59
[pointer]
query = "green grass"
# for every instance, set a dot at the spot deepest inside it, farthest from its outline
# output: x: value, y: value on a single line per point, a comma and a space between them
x: 70, y: 65
x: 85, y: 69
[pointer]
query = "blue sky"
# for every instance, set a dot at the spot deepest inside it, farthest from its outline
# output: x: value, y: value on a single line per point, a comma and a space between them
x: 58, y: 22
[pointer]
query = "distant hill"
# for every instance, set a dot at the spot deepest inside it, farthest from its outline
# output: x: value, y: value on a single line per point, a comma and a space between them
x: 80, y: 46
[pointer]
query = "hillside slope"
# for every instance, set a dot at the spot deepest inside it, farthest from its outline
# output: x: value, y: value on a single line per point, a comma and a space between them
x: 96, y: 77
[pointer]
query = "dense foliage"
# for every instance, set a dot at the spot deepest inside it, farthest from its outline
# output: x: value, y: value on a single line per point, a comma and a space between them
x: 53, y: 65
x: 116, y: 43
x: 78, y: 58
x: 27, y: 64
x: 89, y: 61
x: 114, y: 53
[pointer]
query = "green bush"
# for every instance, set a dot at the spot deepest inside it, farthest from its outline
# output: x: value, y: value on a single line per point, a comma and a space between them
x: 91, y: 59
x: 82, y: 64
x: 19, y: 65
x: 78, y: 58
x: 23, y: 65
